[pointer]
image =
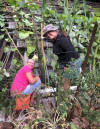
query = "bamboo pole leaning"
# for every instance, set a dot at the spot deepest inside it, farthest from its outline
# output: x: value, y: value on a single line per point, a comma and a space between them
x: 42, y: 48
x: 12, y: 41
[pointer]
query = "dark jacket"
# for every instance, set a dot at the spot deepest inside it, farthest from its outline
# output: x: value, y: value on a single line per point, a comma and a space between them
x: 64, y: 49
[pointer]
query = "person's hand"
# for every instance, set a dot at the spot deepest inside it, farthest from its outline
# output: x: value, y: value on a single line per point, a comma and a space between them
x: 37, y: 77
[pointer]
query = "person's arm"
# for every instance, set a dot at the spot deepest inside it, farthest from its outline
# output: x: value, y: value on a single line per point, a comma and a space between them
x: 30, y: 78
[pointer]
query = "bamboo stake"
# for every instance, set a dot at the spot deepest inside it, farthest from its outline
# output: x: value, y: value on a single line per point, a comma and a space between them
x: 89, y: 48
x: 14, y: 44
x: 37, y: 42
x: 42, y: 47
x: 87, y: 55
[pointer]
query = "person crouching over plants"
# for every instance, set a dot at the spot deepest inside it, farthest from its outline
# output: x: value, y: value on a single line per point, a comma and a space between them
x: 68, y: 58
x: 25, y: 82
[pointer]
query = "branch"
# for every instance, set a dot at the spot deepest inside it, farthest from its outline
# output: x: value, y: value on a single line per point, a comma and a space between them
x: 89, y: 48
x: 14, y: 44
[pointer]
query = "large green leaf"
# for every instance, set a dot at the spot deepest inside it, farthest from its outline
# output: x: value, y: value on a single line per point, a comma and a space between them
x: 27, y: 22
x: 24, y: 34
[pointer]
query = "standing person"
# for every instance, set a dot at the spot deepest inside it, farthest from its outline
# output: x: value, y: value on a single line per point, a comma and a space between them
x: 25, y: 82
x: 63, y: 48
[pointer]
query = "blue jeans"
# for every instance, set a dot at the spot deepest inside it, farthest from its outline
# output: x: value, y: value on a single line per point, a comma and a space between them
x: 76, y: 64
x: 31, y: 87
x: 73, y: 70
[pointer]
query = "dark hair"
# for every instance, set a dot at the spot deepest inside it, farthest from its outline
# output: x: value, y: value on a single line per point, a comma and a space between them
x: 45, y: 35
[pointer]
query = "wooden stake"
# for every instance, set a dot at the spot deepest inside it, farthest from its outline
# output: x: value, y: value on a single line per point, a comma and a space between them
x: 42, y: 47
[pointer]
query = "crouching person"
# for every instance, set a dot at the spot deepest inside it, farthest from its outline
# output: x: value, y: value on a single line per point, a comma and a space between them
x: 24, y: 85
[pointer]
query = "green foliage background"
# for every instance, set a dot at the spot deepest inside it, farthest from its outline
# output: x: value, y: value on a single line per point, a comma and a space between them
x: 78, y: 22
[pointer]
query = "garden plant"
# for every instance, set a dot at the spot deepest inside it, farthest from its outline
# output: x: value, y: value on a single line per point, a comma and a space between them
x: 71, y: 111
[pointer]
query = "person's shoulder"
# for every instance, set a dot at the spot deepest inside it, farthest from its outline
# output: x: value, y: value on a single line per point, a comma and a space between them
x: 66, y: 38
x: 26, y: 67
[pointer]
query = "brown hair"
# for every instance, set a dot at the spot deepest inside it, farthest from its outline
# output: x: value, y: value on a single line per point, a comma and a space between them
x: 64, y: 33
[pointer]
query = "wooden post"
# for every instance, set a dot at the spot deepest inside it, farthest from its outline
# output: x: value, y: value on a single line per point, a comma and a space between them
x: 89, y: 48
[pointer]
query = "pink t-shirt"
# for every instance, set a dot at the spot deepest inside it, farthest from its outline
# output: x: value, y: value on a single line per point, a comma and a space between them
x: 20, y: 81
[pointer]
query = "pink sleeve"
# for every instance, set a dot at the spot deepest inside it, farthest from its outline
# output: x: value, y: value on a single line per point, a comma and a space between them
x: 27, y: 69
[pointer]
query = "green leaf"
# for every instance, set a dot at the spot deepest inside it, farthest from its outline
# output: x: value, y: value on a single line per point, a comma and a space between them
x: 27, y: 15
x: 98, y: 57
x: 30, y: 47
x: 24, y: 34
x: 2, y: 24
x: 2, y: 36
x: 22, y: 13
x: 81, y: 46
x: 11, y: 2
x: 17, y: 0
x: 13, y: 49
x: 4, y: 89
x: 38, y: 19
x: 73, y: 126
x: 74, y: 41
x: 27, y: 22
x: 72, y: 34
x: 7, y: 40
x: 95, y: 44
x: 14, y: 61
x: 98, y: 20
x: 82, y: 55
x: 94, y: 19
x: 6, y: 49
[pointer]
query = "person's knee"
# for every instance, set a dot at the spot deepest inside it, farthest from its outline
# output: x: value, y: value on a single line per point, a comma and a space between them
x: 39, y: 81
